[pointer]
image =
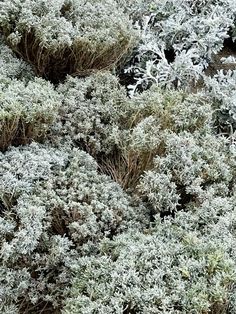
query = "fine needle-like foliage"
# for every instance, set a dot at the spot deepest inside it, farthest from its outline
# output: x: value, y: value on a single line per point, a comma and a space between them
x: 117, y: 157
x: 67, y: 36
x: 26, y: 110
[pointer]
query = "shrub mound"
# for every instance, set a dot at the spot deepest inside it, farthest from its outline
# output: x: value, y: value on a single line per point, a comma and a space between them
x: 53, y: 202
x: 191, y: 167
x: 11, y: 66
x: 169, y: 270
x: 91, y: 108
x: 26, y: 110
x: 141, y: 133
x: 66, y: 36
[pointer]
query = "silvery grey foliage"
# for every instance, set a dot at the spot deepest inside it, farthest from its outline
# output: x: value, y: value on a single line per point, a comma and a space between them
x: 21, y: 168
x: 67, y: 36
x: 174, y: 268
x: 151, y: 117
x: 128, y: 206
x: 221, y: 89
x: 59, y: 25
x: 174, y: 110
x: 88, y: 205
x: 190, y: 166
x: 26, y: 110
x: 13, y: 67
x: 25, y: 244
x: 178, y: 41
x: 52, y: 203
x: 91, y: 109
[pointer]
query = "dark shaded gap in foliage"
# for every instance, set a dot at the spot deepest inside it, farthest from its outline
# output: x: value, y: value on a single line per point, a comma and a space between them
x: 228, y: 42
x: 185, y: 198
x: 170, y: 55
x: 2, y: 208
x: 41, y: 307
x: 128, y: 309
x: 164, y: 214
x: 228, y: 49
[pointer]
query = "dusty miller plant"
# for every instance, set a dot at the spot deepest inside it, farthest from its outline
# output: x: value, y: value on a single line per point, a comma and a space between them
x: 178, y: 41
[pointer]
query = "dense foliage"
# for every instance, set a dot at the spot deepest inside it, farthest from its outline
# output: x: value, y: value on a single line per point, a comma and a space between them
x: 117, y: 157
x: 66, y: 36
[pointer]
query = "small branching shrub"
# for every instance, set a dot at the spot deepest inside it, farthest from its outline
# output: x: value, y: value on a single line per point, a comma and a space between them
x: 66, y: 36
x: 190, y: 166
x: 150, y: 117
x: 12, y: 67
x: 90, y: 110
x: 168, y: 270
x: 53, y: 203
x: 26, y: 110
x: 179, y: 39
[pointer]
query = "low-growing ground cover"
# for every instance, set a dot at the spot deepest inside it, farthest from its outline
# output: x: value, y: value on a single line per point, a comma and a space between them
x: 117, y: 157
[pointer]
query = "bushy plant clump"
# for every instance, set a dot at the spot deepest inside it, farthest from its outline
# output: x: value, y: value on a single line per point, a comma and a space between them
x: 52, y: 203
x: 12, y: 67
x: 172, y: 269
x: 66, y: 36
x: 179, y: 40
x: 90, y: 110
x: 25, y: 243
x: 190, y: 166
x: 150, y: 118
x: 22, y: 168
x: 87, y: 205
x: 26, y: 110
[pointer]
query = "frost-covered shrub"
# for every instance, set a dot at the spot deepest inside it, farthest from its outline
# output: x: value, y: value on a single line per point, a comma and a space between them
x: 173, y: 110
x: 90, y: 110
x: 21, y: 168
x: 222, y: 90
x: 12, y: 67
x: 34, y: 261
x: 30, y: 256
x: 191, y: 165
x: 87, y: 205
x: 52, y: 202
x: 150, y: 116
x: 168, y: 270
x: 178, y: 41
x: 66, y: 36
x: 26, y: 110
